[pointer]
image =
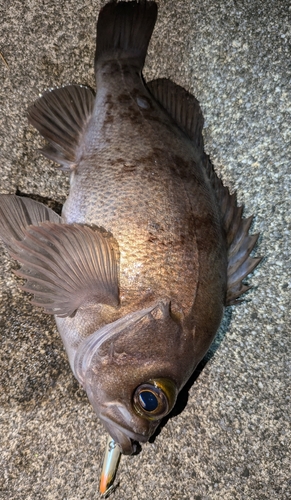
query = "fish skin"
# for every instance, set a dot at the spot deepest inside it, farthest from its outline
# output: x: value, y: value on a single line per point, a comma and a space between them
x: 139, y: 177
x: 146, y: 188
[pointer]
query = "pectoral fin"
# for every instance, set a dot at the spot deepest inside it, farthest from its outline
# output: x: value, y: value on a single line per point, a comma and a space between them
x: 16, y: 213
x: 67, y: 266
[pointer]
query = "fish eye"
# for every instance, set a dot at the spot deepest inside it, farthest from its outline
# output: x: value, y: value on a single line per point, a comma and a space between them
x: 148, y: 400
x: 154, y: 399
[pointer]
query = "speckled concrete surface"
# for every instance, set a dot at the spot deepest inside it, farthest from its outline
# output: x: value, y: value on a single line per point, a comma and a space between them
x: 232, y: 441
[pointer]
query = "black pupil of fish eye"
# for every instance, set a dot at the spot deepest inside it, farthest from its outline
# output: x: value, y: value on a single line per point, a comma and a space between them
x: 148, y: 400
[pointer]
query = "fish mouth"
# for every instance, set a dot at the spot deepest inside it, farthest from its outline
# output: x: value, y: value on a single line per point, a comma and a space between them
x: 126, y: 438
x: 127, y: 445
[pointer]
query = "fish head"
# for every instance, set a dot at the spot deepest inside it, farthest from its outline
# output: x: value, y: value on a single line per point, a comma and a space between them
x: 132, y: 371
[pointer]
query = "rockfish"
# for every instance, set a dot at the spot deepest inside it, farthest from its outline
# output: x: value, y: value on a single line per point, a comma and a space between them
x: 150, y: 246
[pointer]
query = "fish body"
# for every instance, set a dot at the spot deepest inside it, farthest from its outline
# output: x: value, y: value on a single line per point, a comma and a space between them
x: 145, y: 184
x: 150, y: 246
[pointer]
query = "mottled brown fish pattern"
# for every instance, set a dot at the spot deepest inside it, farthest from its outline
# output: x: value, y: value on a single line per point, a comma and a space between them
x: 150, y: 246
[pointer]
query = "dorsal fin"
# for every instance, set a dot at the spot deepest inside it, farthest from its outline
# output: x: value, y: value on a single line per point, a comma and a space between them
x: 186, y: 112
x: 239, y: 242
x: 182, y: 106
x: 61, y: 116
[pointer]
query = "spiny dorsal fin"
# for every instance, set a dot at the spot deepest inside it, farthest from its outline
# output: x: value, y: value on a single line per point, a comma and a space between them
x: 17, y: 212
x: 182, y: 106
x: 186, y: 112
x: 239, y: 242
x: 124, y: 30
x: 67, y: 266
x: 61, y: 116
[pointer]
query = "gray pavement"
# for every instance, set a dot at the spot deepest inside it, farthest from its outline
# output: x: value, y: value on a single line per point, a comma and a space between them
x: 232, y: 441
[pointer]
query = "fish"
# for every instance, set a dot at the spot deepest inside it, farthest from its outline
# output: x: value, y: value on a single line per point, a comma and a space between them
x: 150, y: 246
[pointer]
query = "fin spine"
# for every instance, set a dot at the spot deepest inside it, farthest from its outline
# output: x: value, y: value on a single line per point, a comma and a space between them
x: 240, y: 243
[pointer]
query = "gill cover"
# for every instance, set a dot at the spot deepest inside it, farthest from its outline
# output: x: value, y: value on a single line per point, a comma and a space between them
x: 131, y: 371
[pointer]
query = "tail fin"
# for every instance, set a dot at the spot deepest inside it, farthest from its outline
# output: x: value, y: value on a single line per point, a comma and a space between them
x: 124, y: 30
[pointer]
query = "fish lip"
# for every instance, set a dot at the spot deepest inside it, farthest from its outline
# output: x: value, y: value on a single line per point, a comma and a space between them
x: 125, y: 442
x: 134, y: 436
x: 124, y: 437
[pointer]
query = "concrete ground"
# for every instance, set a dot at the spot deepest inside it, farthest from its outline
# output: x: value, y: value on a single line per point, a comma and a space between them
x: 232, y: 440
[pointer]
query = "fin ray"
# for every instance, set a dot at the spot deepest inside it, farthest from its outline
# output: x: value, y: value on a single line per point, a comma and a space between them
x: 66, y: 266
x: 186, y: 112
x: 124, y: 30
x: 17, y: 212
x: 240, y: 243
x: 182, y: 106
x: 61, y: 116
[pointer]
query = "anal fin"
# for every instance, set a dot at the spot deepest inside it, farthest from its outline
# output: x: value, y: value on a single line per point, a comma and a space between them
x: 61, y: 116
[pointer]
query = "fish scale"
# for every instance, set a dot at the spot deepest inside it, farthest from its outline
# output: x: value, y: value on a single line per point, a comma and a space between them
x: 129, y: 204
